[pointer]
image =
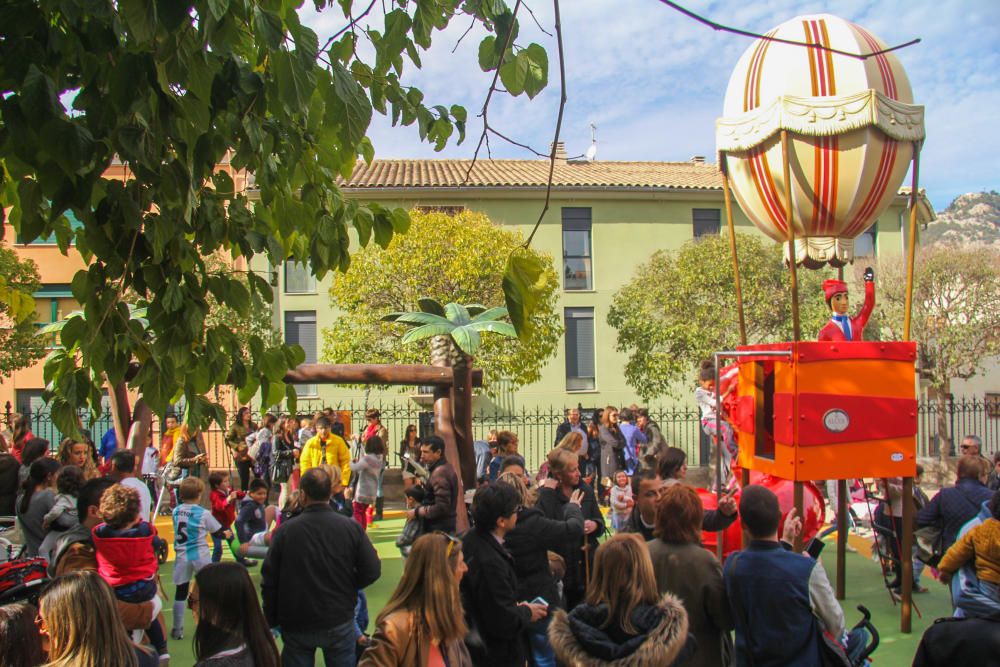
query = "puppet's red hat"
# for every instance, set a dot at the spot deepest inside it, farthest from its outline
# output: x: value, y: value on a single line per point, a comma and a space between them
x: 831, y: 287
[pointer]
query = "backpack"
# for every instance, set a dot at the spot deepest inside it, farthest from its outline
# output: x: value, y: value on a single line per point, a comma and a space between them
x: 262, y: 459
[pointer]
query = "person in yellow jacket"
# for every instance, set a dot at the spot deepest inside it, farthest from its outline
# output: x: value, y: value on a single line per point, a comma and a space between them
x: 325, y: 440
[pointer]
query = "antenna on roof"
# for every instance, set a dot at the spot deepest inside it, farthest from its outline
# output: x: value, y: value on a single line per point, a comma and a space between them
x: 591, y: 153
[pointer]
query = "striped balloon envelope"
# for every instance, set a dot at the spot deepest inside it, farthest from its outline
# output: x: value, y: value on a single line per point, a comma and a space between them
x: 852, y: 128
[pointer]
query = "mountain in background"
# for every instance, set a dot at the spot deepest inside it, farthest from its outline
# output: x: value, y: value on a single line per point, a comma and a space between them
x: 972, y: 219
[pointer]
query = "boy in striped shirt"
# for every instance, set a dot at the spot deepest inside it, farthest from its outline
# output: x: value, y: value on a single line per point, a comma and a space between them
x: 192, y: 526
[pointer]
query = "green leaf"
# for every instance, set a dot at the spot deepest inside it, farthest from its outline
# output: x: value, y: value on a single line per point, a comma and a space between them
x: 383, y: 231
x: 272, y: 364
x: 484, y: 315
x: 140, y: 17
x: 467, y: 340
x: 537, y: 75
x: 457, y: 314
x: 218, y: 8
x: 238, y: 297
x: 247, y: 391
x: 502, y: 328
x: 524, y: 285
x: 417, y: 318
x: 291, y: 399
x: 64, y: 417
x: 295, y: 84
x: 271, y: 392
x: 514, y: 73
x: 432, y: 306
x: 426, y: 331
x: 488, y: 56
x: 39, y: 98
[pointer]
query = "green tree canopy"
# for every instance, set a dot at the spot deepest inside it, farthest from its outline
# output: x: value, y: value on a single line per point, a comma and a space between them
x: 457, y: 258
x: 173, y: 89
x: 956, y: 314
x: 681, y: 307
x: 19, y: 346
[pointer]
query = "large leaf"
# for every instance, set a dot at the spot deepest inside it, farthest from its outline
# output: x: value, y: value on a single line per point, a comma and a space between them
x: 502, y: 328
x: 427, y: 331
x: 467, y: 339
x: 524, y: 285
x: 457, y: 314
x: 538, y: 69
x: 417, y: 318
x: 431, y: 306
x: 492, y: 314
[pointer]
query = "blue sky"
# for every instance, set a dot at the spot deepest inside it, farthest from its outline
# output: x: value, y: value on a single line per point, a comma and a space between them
x: 653, y: 81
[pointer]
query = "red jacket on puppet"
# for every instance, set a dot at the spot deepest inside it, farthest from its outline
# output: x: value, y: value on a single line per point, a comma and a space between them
x: 832, y: 331
x: 125, y: 559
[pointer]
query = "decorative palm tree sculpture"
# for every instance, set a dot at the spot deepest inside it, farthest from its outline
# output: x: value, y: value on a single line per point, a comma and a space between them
x: 454, y: 329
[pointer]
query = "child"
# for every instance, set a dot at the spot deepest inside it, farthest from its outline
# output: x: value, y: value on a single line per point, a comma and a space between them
x: 254, y: 519
x: 413, y: 527
x: 705, y: 396
x: 150, y: 465
x: 63, y: 514
x: 192, y: 525
x: 621, y: 500
x: 223, y: 499
x: 338, y: 501
x: 125, y: 556
x: 367, y: 469
x: 981, y: 543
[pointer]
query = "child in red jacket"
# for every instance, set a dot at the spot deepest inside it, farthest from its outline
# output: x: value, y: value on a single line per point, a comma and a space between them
x: 224, y: 500
x: 125, y: 556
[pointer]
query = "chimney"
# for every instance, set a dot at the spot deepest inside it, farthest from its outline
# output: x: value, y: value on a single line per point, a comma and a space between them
x: 698, y: 159
x: 561, y: 156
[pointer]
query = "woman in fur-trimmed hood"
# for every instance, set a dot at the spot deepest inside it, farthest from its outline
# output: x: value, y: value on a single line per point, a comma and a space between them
x: 624, y: 622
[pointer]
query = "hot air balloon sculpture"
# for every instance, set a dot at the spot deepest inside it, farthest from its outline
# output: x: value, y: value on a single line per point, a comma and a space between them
x: 852, y: 128
x: 819, y: 130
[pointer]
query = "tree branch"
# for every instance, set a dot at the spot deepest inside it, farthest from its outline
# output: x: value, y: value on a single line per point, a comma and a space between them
x: 349, y: 26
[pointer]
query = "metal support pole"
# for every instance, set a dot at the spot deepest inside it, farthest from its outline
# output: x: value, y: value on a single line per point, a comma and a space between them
x: 718, y: 454
x: 727, y: 195
x: 842, y: 509
x: 906, y: 558
x: 790, y: 225
x: 906, y: 549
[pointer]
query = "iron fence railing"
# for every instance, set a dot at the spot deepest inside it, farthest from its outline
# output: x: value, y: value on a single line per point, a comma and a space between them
x: 536, y: 428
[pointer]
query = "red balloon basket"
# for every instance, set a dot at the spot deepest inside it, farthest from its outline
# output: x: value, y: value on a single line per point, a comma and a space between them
x: 732, y: 537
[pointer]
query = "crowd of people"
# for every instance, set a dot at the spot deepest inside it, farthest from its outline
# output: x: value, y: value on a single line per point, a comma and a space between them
x: 540, y: 577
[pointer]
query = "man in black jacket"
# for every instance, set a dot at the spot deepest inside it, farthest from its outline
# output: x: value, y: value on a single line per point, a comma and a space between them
x: 646, y: 486
x: 315, y: 567
x: 489, y: 588
x: 439, y: 508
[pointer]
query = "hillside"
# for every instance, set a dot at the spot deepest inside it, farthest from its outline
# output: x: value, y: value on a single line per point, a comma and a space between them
x: 972, y: 219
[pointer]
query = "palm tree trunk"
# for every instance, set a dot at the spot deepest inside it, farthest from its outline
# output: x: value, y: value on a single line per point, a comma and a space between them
x: 444, y: 425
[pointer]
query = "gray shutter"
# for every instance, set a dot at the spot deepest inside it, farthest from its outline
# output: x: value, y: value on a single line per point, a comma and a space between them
x: 580, y: 348
x: 300, y: 329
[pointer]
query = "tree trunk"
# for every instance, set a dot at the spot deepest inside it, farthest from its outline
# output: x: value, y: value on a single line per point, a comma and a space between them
x: 121, y: 414
x: 444, y: 425
x: 461, y: 394
x: 942, y: 396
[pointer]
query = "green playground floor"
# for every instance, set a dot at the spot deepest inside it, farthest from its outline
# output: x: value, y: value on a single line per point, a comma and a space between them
x: 864, y: 586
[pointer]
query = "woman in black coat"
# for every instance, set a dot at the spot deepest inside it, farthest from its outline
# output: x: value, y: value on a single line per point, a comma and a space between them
x: 564, y: 471
x: 529, y: 543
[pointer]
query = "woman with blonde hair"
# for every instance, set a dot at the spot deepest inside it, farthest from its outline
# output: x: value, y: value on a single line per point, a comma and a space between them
x: 571, y: 442
x: 612, y: 445
x: 191, y: 454
x: 422, y: 623
x: 79, y: 623
x: 683, y: 567
x: 553, y: 496
x: 80, y: 454
x: 624, y: 620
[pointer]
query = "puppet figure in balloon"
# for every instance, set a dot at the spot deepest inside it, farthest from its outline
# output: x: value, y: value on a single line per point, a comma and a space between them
x: 843, y: 327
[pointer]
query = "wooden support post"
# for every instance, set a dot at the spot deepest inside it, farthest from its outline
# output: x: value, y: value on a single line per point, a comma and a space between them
x: 462, y: 403
x: 732, y: 249
x: 911, y: 249
x: 790, y: 224
x: 906, y: 558
x: 842, y: 510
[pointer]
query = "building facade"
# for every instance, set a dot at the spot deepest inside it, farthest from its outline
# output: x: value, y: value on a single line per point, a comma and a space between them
x: 605, y: 219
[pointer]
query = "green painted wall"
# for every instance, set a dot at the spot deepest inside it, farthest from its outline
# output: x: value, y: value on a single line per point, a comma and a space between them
x: 628, y: 227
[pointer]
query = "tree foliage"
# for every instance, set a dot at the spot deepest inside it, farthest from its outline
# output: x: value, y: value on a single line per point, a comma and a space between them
x: 19, y: 346
x: 956, y: 309
x: 447, y: 258
x: 173, y: 89
x: 681, y: 307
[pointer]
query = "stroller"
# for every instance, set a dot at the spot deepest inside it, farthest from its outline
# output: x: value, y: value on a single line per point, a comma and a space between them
x: 834, y: 648
x: 170, y: 477
x: 21, y: 578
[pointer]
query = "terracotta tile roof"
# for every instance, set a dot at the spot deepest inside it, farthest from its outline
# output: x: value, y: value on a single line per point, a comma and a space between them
x: 534, y: 174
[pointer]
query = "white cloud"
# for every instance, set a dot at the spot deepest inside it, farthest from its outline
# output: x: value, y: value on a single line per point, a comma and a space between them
x: 653, y: 80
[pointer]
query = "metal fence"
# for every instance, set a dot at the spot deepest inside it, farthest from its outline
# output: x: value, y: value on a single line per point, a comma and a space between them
x: 536, y: 428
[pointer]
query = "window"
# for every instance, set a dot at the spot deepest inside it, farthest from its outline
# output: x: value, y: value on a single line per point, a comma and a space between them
x: 29, y: 402
x: 447, y: 210
x: 865, y: 244
x: 577, y: 268
x: 706, y: 221
x: 580, y: 349
x: 300, y: 329
x: 299, y: 279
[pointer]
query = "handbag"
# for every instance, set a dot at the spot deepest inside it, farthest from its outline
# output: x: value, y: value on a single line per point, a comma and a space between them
x: 929, y: 541
x: 281, y: 467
